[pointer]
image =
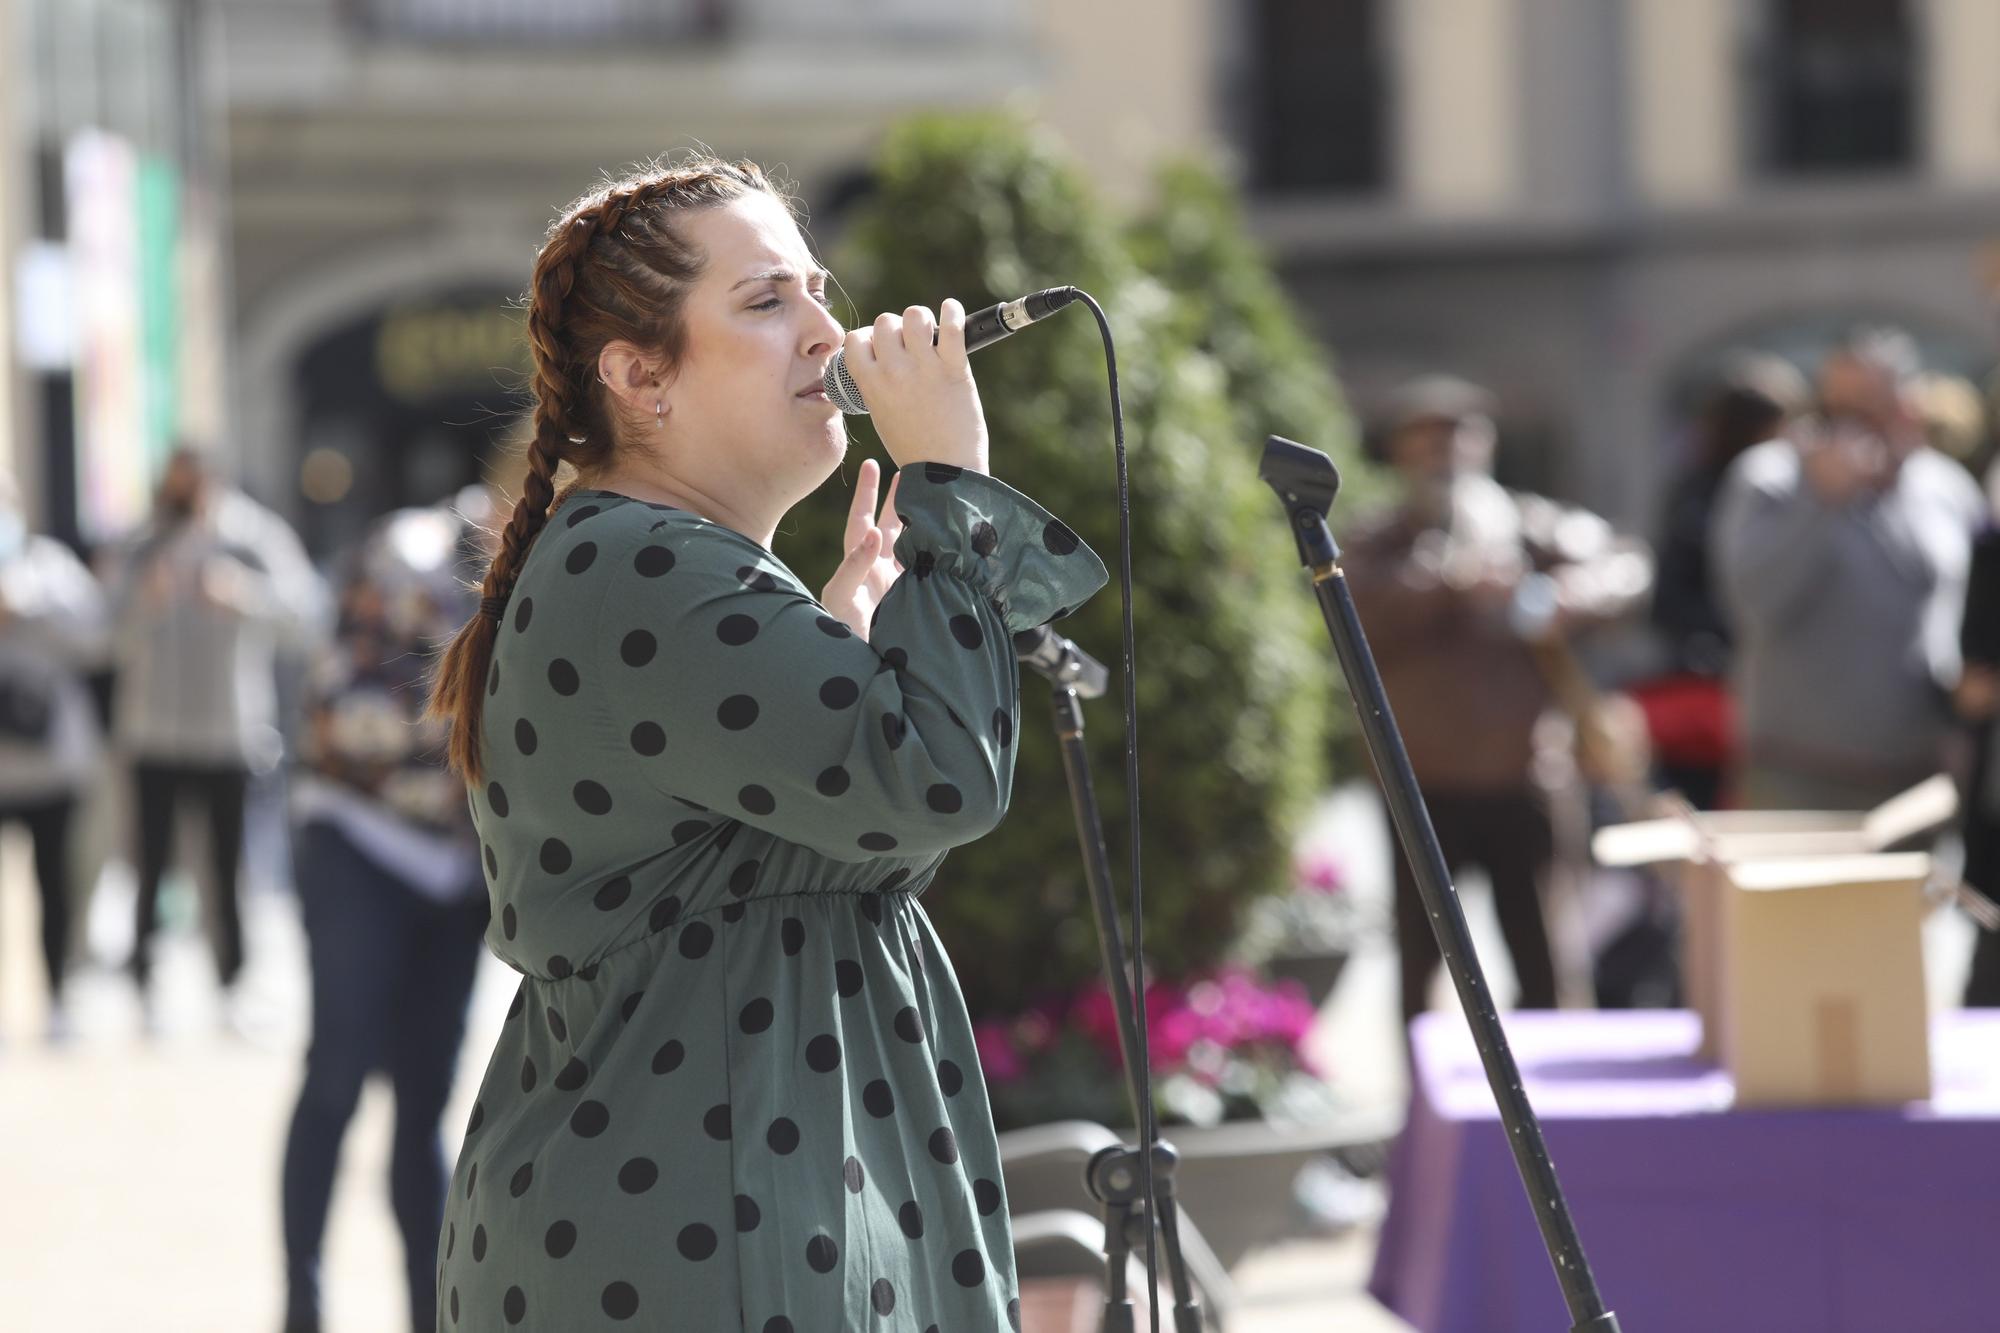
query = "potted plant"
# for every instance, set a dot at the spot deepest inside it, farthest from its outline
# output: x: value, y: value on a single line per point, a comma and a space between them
x: 1307, y: 933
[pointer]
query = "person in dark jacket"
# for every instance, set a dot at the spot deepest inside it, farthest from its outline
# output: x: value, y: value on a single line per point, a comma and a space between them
x: 388, y: 873
x: 1978, y: 701
x: 1688, y: 706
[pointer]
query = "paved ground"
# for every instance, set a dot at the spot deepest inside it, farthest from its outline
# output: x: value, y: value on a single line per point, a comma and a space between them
x: 140, y: 1174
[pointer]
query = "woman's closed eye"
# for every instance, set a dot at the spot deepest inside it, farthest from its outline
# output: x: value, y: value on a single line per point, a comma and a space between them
x: 772, y: 303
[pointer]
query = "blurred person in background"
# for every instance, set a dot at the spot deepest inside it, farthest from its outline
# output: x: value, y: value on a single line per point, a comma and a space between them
x: 1841, y: 552
x: 1954, y: 417
x: 1465, y: 590
x: 205, y: 595
x: 1688, y: 709
x: 1978, y: 700
x: 52, y: 630
x: 388, y: 875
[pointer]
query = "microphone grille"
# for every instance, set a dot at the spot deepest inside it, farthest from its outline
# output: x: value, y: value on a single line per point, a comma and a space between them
x: 840, y: 387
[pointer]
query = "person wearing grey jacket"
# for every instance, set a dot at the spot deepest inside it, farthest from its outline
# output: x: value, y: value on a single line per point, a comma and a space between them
x: 206, y: 595
x: 52, y: 629
x: 1841, y: 553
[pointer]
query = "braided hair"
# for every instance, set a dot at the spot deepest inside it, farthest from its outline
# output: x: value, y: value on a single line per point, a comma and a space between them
x: 614, y: 267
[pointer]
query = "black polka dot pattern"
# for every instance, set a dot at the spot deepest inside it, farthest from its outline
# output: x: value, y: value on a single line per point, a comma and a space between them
x: 620, y: 1300
x: 638, y: 1175
x: 966, y: 630
x: 823, y: 1054
x: 687, y: 785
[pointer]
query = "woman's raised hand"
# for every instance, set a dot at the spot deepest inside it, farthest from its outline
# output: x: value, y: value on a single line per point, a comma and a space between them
x: 913, y: 371
x: 870, y: 567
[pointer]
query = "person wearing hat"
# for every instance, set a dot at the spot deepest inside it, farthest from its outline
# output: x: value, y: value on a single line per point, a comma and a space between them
x: 1461, y: 587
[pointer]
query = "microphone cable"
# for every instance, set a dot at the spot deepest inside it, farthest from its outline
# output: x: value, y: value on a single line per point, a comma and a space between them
x: 1142, y: 1062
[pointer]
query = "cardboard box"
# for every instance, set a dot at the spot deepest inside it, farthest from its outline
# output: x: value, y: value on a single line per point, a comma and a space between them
x: 1801, y: 943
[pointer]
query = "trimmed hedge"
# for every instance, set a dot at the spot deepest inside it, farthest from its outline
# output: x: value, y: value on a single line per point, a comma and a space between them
x: 1233, y: 666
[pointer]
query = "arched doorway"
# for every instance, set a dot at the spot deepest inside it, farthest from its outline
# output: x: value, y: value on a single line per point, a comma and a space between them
x: 403, y: 405
x: 383, y: 381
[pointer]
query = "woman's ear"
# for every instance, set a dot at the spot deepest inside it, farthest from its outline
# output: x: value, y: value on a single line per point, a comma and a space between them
x: 635, y: 379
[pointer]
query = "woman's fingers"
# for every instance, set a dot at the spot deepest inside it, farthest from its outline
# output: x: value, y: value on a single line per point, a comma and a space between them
x: 853, y: 575
x: 891, y: 522
x: 919, y: 330
x: 886, y: 337
x: 861, y: 510
x: 951, y: 329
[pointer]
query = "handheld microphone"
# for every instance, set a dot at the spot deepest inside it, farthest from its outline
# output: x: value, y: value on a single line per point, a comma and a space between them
x: 986, y: 326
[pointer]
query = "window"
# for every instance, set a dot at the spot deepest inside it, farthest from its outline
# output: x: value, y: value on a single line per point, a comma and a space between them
x: 1315, y: 95
x: 1834, y: 84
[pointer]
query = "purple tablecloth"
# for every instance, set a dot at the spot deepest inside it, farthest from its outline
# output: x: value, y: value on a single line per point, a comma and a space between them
x: 1695, y: 1218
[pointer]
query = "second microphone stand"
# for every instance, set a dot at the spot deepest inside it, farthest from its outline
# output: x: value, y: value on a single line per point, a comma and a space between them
x: 1114, y: 1176
x: 1306, y: 482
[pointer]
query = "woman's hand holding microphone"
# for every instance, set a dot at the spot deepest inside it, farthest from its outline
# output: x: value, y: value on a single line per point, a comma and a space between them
x: 914, y: 372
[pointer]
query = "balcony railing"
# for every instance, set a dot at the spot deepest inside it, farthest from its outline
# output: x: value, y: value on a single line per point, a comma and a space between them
x: 605, y: 22
x: 537, y: 21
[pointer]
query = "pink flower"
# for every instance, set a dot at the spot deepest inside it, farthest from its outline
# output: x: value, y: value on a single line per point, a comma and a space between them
x: 1093, y: 1013
x: 1320, y: 872
x: 997, y: 1056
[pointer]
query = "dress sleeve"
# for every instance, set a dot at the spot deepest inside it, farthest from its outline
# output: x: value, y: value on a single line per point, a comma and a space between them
x: 739, y: 694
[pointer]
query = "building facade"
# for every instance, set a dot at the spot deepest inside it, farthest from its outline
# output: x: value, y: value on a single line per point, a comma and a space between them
x: 1584, y: 205
x: 1580, y: 204
x: 395, y: 163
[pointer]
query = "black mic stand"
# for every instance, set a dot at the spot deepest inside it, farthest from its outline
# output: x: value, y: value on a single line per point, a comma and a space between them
x: 1114, y: 1175
x: 1306, y: 481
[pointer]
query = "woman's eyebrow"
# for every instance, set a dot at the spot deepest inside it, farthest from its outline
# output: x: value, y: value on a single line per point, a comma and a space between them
x: 779, y: 275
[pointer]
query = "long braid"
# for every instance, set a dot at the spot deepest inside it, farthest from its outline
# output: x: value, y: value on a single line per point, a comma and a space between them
x: 595, y: 279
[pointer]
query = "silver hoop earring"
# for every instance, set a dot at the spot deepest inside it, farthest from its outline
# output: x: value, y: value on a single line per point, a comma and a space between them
x: 659, y: 416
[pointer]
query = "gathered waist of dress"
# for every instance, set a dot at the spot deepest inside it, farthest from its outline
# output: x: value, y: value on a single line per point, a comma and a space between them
x: 870, y: 903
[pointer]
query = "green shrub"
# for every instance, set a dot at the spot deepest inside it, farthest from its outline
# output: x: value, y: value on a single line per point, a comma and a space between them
x: 1232, y: 662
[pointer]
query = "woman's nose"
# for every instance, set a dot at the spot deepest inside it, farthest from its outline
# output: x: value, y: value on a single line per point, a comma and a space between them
x: 825, y: 333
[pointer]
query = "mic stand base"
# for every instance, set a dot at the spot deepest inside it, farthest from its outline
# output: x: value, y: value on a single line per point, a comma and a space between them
x: 1114, y: 1176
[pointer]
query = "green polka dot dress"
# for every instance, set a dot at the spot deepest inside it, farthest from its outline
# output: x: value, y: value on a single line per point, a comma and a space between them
x: 737, y: 1088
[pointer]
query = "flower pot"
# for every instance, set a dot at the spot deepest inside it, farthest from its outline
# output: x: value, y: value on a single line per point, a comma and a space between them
x: 1317, y: 972
x: 1235, y: 1179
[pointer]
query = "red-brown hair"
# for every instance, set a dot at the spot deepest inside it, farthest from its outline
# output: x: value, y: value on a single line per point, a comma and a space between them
x: 614, y: 267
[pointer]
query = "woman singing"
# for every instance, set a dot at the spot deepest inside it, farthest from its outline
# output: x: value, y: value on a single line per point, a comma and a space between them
x: 737, y: 1087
